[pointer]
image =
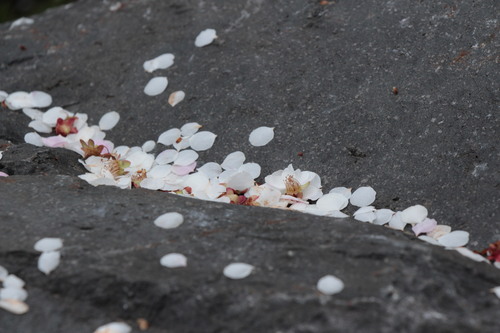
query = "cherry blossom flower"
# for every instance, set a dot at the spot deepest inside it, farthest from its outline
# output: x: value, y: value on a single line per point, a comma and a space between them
x: 302, y: 184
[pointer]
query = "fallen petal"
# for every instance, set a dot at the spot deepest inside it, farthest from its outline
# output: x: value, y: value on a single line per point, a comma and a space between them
x: 169, y: 220
x: 330, y: 285
x: 252, y: 168
x: 186, y: 157
x: 383, y: 216
x: 414, y: 214
x: 205, y: 37
x: 363, y: 196
x: 12, y: 281
x: 169, y: 137
x: 189, y: 129
x: 428, y: 239
x: 233, y: 161
x: 346, y: 192
x: 20, y: 22
x: 424, y: 227
x: 33, y: 138
x: 13, y: 293
x: 261, y: 136
x: 148, y: 146
x: 202, y: 141
x: 40, y: 126
x: 114, y: 327
x: 3, y: 273
x: 496, y: 291
x: 48, y: 244
x: 470, y: 254
x: 14, y: 306
x: 167, y: 156
x: 156, y: 86
x: 238, y: 270
x: 109, y: 120
x: 176, y: 97
x: 332, y: 202
x: 49, y: 261
x: 40, y: 99
x: 454, y: 239
x: 163, y: 61
x: 183, y: 170
x: 174, y: 260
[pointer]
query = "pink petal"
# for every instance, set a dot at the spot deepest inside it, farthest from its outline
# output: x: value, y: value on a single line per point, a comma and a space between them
x: 424, y: 227
x: 3, y: 174
x: 183, y: 170
x: 54, y: 141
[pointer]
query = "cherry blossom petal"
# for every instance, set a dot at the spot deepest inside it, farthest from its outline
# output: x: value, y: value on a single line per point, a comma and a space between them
x: 40, y: 99
x: 396, y: 222
x: 330, y: 285
x: 424, y: 227
x: 34, y: 114
x: 470, y: 254
x: 163, y: 61
x: 3, y: 174
x: 169, y: 220
x: 183, y: 170
x: 202, y: 141
x: 56, y: 141
x: 160, y: 171
x: 252, y: 168
x: 176, y: 97
x: 169, y: 137
x: 439, y: 231
x: 211, y: 169
x: 454, y: 239
x: 238, y: 270
x: 18, y: 294
x: 414, y: 214
x: 240, y: 181
x: 48, y: 244
x: 40, y: 126
x: 3, y: 95
x: 12, y: 281
x: 156, y: 86
x: 383, y: 216
x: 346, y: 192
x: 21, y: 21
x: 496, y: 291
x: 365, y: 214
x: 430, y: 240
x: 148, y: 146
x: 167, y: 156
x: 152, y: 183
x: 205, y: 37
x: 109, y: 120
x: 174, y: 260
x: 190, y: 129
x: 51, y: 115
x: 48, y: 261
x: 3, y: 273
x: 363, y: 196
x: 14, y: 306
x: 183, y: 143
x: 186, y: 157
x: 233, y: 161
x: 115, y: 327
x: 331, y: 202
x: 261, y: 136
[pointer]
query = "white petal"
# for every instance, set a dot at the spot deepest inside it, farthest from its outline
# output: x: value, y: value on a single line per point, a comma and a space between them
x: 19, y: 100
x: 331, y: 202
x: 161, y: 62
x: 169, y: 220
x: 33, y: 138
x: 396, y: 222
x: 330, y: 285
x: 13, y: 293
x: 211, y: 169
x: 414, y: 214
x: 496, y: 291
x: 363, y: 196
x: 176, y: 97
x: 252, y: 168
x: 20, y: 22
x: 205, y: 37
x: 160, y: 171
x: 48, y: 244
x: 202, y: 141
x: 40, y: 126
x: 167, y: 156
x: 471, y: 255
x: 173, y: 260
x: 454, y: 239
x: 428, y: 239
x: 156, y: 86
x: 238, y: 270
x: 14, y: 306
x: 169, y: 137
x: 3, y: 273
x: 439, y: 230
x: 383, y: 216
x: 197, y: 181
x: 189, y: 129
x: 115, y: 327
x: 337, y: 214
x: 40, y: 99
x: 346, y: 192
x: 152, y: 183
x: 186, y: 157
x: 109, y: 120
x: 49, y: 261
x: 3, y: 95
x: 51, y: 115
x: 34, y: 114
x: 261, y: 136
x: 148, y: 146
x: 233, y: 161
x: 365, y: 214
x: 12, y: 281
x: 240, y: 181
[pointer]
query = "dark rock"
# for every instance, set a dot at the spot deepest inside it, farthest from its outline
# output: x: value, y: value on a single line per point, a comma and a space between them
x: 323, y: 75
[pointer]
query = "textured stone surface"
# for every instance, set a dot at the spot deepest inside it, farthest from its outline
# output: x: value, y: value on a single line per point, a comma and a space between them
x: 322, y: 75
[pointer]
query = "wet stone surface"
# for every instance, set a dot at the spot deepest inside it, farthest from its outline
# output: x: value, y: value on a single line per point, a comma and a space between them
x: 322, y: 74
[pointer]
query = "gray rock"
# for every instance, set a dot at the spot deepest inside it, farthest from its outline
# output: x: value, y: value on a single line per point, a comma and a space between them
x: 323, y: 76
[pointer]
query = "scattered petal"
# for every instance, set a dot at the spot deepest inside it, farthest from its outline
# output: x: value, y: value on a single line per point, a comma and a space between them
x: 3, y: 95
x: 183, y: 170
x: 109, y: 120
x: 115, y: 327
x: 148, y: 146
x: 174, y: 260
x: 428, y: 239
x: 330, y: 285
x: 383, y: 216
x: 51, y: 115
x: 454, y: 239
x: 34, y: 114
x: 396, y: 222
x: 202, y: 141
x: 189, y: 129
x: 439, y: 231
x: 169, y: 220
x: 496, y: 291
x: 363, y: 196
x: 205, y: 37
x: 424, y: 227
x: 211, y: 169
x: 21, y: 99
x: 3, y: 174
x: 14, y: 306
x: 156, y: 86
x: 40, y: 99
x: 176, y: 97
x: 470, y: 254
x: 167, y: 156
x: 49, y: 261
x: 169, y: 137
x: 20, y: 22
x: 261, y: 136
x: 332, y: 202
x: 365, y: 214
x: 252, y: 168
x: 12, y: 281
x: 3, y: 273
x: 238, y: 270
x: 48, y: 244
x: 186, y: 157
x: 240, y: 181
x: 40, y: 126
x: 33, y: 138
x: 346, y: 192
x: 13, y: 293
x: 233, y: 161
x: 414, y: 214
x: 163, y: 61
